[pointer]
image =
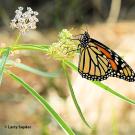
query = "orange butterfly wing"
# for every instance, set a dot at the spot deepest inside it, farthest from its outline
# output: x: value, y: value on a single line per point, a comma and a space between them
x: 98, y: 62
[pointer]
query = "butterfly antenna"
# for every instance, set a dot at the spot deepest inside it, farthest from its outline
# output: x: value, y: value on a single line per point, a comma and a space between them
x: 77, y: 37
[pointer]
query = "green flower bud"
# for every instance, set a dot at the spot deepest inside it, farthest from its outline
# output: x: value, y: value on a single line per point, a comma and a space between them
x: 65, y: 48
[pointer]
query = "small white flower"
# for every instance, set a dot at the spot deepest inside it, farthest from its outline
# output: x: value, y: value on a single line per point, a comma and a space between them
x: 24, y: 21
x: 20, y: 8
x: 29, y: 9
x: 35, y: 13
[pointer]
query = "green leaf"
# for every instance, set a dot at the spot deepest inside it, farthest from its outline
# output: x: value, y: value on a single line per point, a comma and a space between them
x: 3, y: 62
x: 108, y: 89
x: 33, y: 70
x: 42, y: 48
x: 103, y: 86
x: 45, y: 104
x: 74, y: 98
x: 71, y: 65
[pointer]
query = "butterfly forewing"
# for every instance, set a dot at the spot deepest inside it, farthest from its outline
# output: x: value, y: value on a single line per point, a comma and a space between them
x: 92, y: 65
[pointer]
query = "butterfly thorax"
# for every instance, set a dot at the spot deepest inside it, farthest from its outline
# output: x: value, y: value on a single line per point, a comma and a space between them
x: 84, y: 40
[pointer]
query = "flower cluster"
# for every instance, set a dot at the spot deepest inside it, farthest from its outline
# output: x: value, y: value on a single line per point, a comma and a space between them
x: 65, y: 48
x: 24, y: 21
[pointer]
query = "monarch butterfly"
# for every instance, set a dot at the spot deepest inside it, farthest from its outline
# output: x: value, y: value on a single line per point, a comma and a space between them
x: 97, y: 62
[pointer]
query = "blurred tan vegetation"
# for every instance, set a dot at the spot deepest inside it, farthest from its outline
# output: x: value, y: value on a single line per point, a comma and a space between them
x: 110, y: 115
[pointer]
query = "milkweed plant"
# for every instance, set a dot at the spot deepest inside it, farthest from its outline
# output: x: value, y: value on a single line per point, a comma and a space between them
x: 62, y: 51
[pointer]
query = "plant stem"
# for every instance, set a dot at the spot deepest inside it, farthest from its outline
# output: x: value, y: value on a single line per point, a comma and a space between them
x: 17, y: 39
x: 74, y: 97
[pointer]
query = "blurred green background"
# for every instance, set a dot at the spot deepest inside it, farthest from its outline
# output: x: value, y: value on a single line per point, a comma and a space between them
x: 61, y: 13
x: 110, y: 22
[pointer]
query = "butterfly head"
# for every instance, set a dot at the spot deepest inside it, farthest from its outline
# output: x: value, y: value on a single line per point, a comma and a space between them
x: 84, y: 39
